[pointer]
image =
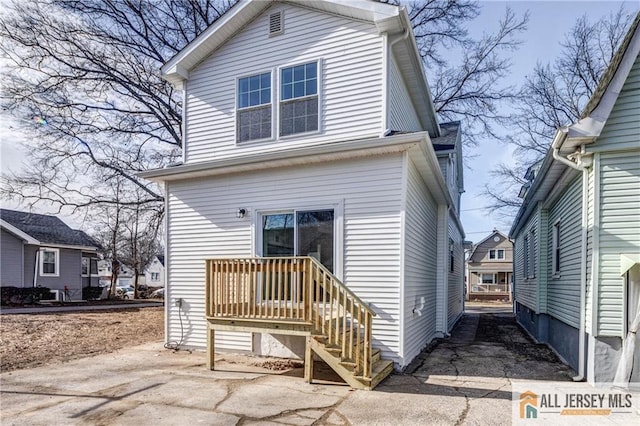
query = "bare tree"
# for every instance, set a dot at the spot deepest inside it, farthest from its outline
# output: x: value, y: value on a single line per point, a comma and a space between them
x: 140, y: 239
x: 554, y: 95
x: 85, y: 75
x: 469, y: 89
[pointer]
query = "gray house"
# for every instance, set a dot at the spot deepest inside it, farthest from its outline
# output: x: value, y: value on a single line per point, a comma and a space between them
x: 41, y: 250
x: 577, y: 234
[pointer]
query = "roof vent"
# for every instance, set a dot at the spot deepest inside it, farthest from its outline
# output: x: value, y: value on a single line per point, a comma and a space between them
x: 276, y: 23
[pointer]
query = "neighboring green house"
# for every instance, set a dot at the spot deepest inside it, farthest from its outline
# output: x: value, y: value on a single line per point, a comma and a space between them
x: 577, y: 234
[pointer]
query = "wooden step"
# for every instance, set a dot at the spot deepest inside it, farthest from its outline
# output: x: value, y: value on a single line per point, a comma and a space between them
x: 380, y: 370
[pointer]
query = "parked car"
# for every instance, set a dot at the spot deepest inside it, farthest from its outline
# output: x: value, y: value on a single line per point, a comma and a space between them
x: 126, y: 292
x: 158, y: 294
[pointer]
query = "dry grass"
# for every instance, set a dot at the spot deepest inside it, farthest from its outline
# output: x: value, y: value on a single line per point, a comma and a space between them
x: 31, y: 340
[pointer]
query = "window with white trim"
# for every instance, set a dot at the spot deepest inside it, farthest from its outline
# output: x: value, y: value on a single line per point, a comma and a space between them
x: 299, y: 99
x: 155, y: 276
x: 555, y: 249
x: 525, y: 255
x: 49, y: 262
x: 497, y: 254
x: 488, y: 278
x: 254, y: 107
x: 89, y: 266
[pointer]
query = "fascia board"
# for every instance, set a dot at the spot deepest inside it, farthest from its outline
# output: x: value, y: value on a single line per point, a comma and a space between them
x: 298, y: 156
x: 17, y: 232
x: 71, y: 247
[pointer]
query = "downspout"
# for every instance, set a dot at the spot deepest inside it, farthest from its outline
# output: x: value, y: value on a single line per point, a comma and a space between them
x: 579, y: 165
x: 583, y: 277
x: 389, y: 53
x: 35, y: 269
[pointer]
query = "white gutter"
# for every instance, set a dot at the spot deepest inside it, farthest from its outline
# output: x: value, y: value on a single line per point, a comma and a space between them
x: 558, y: 140
x: 583, y: 277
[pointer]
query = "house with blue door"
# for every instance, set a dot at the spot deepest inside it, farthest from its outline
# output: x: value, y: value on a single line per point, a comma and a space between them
x: 316, y: 210
x: 577, y: 234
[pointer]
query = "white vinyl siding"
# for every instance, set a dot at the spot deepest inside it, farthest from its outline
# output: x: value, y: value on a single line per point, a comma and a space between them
x: 350, y: 55
x: 420, y: 259
x: 563, y: 292
x: 202, y: 223
x: 525, y: 288
x: 402, y: 115
x: 455, y: 280
x: 619, y: 233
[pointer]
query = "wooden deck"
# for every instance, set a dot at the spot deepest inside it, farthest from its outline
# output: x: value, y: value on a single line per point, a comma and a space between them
x: 298, y: 296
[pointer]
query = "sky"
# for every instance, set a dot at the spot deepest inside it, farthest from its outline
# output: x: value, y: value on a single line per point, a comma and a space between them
x: 549, y: 21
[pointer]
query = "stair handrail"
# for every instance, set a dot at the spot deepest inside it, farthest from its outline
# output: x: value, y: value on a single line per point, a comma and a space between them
x: 341, y: 285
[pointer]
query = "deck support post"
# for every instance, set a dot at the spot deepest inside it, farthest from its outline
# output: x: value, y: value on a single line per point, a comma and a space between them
x: 211, y: 334
x: 308, y: 361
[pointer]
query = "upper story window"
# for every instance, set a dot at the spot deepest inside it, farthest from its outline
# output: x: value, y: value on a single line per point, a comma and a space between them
x: 254, y: 107
x: 155, y: 276
x: 49, y: 262
x: 497, y: 254
x: 299, y: 99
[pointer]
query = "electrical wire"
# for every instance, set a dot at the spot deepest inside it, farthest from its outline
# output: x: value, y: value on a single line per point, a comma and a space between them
x: 173, y: 344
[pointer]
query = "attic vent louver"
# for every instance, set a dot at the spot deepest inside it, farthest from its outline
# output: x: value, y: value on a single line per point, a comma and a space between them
x: 276, y: 23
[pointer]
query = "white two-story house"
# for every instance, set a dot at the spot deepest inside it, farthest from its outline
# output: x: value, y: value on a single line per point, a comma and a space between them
x: 316, y: 212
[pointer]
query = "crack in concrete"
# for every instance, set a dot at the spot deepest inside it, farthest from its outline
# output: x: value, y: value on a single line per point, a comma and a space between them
x: 323, y: 420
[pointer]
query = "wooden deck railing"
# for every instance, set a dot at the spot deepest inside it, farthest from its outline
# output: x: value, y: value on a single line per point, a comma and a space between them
x: 295, y: 290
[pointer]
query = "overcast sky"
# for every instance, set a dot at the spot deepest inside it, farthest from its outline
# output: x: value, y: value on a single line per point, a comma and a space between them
x: 549, y: 21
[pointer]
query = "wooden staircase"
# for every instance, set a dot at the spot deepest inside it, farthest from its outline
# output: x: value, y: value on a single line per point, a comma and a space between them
x: 296, y: 295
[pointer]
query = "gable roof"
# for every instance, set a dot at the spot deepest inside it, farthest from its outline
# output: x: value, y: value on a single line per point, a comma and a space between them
x: 389, y: 19
x: 495, y: 231
x: 40, y: 229
x: 554, y: 175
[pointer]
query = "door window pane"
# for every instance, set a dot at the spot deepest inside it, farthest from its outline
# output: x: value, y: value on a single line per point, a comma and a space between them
x: 277, y: 235
x: 315, y: 235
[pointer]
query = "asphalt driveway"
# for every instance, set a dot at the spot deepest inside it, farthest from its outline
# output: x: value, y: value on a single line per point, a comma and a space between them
x: 465, y: 379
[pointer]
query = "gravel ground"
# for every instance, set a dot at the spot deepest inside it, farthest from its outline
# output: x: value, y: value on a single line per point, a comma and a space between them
x: 32, y: 340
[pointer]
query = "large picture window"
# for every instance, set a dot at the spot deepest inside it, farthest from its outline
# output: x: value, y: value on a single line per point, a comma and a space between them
x: 254, y: 107
x: 299, y: 99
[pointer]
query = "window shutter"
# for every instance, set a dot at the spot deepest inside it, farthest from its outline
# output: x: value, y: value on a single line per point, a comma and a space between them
x: 276, y: 23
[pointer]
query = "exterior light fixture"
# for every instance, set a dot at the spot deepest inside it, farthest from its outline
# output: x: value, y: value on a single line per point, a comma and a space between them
x: 241, y: 213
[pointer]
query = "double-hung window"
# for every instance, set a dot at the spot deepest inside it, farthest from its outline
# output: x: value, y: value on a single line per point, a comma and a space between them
x: 299, y: 99
x: 254, y: 107
x: 49, y: 262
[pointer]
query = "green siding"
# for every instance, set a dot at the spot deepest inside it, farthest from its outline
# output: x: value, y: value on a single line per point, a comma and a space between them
x: 525, y: 290
x: 619, y: 232
x: 563, y: 290
x: 618, y: 221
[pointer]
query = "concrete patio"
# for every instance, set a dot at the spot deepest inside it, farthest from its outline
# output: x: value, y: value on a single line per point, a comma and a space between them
x: 465, y: 379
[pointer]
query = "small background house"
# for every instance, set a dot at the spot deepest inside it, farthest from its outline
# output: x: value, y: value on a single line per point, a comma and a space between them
x: 490, y: 268
x: 41, y: 250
